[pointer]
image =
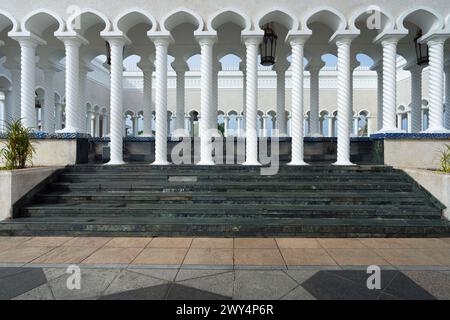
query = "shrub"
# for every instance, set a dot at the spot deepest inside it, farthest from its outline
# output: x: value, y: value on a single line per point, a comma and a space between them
x: 445, y: 159
x: 18, y: 150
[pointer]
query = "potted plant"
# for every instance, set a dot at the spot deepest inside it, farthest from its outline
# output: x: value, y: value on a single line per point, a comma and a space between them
x: 18, y: 150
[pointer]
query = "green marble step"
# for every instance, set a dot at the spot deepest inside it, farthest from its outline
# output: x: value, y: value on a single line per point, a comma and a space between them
x: 213, y: 227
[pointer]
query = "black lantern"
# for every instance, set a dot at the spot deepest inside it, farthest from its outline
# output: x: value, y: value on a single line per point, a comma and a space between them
x: 421, y: 50
x: 269, y: 47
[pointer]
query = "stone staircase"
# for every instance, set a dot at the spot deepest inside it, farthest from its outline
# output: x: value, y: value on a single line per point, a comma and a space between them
x: 225, y: 201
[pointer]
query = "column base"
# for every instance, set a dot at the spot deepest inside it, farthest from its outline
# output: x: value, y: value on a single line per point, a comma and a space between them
x: 161, y: 163
x: 115, y: 163
x: 281, y: 135
x: 345, y: 163
x: 436, y: 130
x: 297, y: 163
x: 390, y: 130
x: 180, y: 133
x: 69, y: 130
x: 215, y: 133
x: 206, y: 163
x: 254, y: 163
x: 315, y: 135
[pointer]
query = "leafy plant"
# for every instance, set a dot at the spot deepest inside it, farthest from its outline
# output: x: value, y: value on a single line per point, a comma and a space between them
x: 221, y: 128
x: 18, y: 150
x: 445, y: 159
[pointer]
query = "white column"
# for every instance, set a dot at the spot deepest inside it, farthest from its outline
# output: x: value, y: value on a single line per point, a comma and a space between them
x: 48, y: 109
x: 15, y: 92
x: 187, y: 121
x: 82, y: 110
x: 226, y: 120
x: 265, y: 131
x: 408, y: 119
x: 124, y: 130
x: 242, y: 67
x: 147, y: 100
x: 447, y: 95
x: 281, y: 123
x: 399, y: 121
x: 378, y: 67
x: 97, y: 125
x: 9, y: 105
x: 215, y: 105
x: 389, y: 44
x: 355, y: 126
x: 105, y: 125
x: 134, y: 120
x: 314, y: 70
x: 239, y: 126
x: 162, y: 44
x: 353, y: 65
x: 2, y: 115
x: 27, y: 89
x: 344, y: 100
x: 330, y: 126
x: 251, y: 109
x: 416, y: 97
x: 73, y: 118
x: 435, y: 87
x: 58, y: 116
x: 297, y: 123
x: 89, y: 123
x: 180, y: 68
x: 116, y: 98
x: 206, y: 45
x: 169, y: 119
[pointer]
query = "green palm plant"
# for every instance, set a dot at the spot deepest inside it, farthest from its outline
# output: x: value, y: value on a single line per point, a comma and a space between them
x: 445, y: 159
x: 18, y: 151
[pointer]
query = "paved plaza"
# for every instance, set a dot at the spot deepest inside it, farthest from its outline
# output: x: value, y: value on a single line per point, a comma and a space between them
x: 200, y: 269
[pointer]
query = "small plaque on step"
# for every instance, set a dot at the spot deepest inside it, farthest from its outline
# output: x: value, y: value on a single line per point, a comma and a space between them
x: 183, y: 179
x: 175, y: 198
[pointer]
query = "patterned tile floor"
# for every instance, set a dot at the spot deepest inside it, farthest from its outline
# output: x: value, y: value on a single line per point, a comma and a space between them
x: 196, y: 268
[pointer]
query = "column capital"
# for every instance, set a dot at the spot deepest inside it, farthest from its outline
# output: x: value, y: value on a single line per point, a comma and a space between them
x: 180, y: 66
x: 27, y: 39
x: 297, y: 38
x: 281, y: 66
x: 447, y: 66
x: 343, y: 40
x: 389, y: 39
x: 315, y: 65
x: 205, y: 38
x: 344, y: 37
x: 160, y: 39
x: 377, y: 66
x: 354, y: 64
x: 413, y: 67
x: 85, y: 68
x: 243, y: 66
x: 146, y: 66
x: 114, y: 39
x: 70, y: 39
x: 217, y: 66
x: 435, y: 38
x: 49, y: 67
x: 252, y: 37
